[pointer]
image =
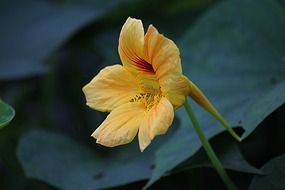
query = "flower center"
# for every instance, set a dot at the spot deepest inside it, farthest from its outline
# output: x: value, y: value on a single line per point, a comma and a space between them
x: 150, y: 90
x: 148, y: 99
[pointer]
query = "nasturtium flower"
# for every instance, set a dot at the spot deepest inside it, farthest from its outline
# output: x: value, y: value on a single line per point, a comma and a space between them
x: 142, y: 93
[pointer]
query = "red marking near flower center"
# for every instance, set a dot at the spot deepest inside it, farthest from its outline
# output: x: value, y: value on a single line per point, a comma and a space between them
x: 144, y: 66
x: 139, y: 63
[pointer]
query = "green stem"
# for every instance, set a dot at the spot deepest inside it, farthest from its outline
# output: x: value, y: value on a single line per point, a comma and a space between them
x: 209, y: 150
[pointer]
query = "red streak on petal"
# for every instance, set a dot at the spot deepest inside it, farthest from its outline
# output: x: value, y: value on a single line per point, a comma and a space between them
x: 138, y: 62
x: 144, y: 66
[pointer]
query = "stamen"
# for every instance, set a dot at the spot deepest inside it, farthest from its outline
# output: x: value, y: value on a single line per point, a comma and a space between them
x: 149, y: 100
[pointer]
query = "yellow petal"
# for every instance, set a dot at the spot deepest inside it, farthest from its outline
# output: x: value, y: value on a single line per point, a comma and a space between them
x: 121, y: 125
x: 175, y: 89
x: 130, y: 48
x: 197, y: 95
x: 161, y: 53
x: 156, y: 122
x: 164, y: 56
x: 112, y: 87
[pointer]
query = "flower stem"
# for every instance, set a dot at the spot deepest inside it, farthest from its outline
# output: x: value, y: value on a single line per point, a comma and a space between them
x: 209, y: 150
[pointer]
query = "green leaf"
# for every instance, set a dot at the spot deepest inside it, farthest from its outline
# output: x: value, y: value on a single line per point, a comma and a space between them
x: 229, y: 154
x: 42, y: 27
x: 274, y: 176
x: 66, y: 164
x: 235, y: 54
x: 6, y: 114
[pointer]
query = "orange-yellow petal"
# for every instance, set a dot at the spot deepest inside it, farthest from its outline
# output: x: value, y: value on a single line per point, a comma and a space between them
x: 155, y: 122
x: 121, y: 125
x: 130, y: 48
x: 112, y: 87
x: 161, y: 53
x: 164, y: 56
x: 175, y: 89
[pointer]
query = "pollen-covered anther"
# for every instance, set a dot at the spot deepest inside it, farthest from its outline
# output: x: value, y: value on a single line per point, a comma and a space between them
x: 149, y: 100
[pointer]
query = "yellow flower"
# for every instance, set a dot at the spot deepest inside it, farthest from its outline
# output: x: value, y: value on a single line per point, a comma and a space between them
x: 142, y: 93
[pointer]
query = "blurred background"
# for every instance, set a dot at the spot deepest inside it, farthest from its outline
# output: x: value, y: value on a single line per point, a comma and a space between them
x: 49, y: 49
